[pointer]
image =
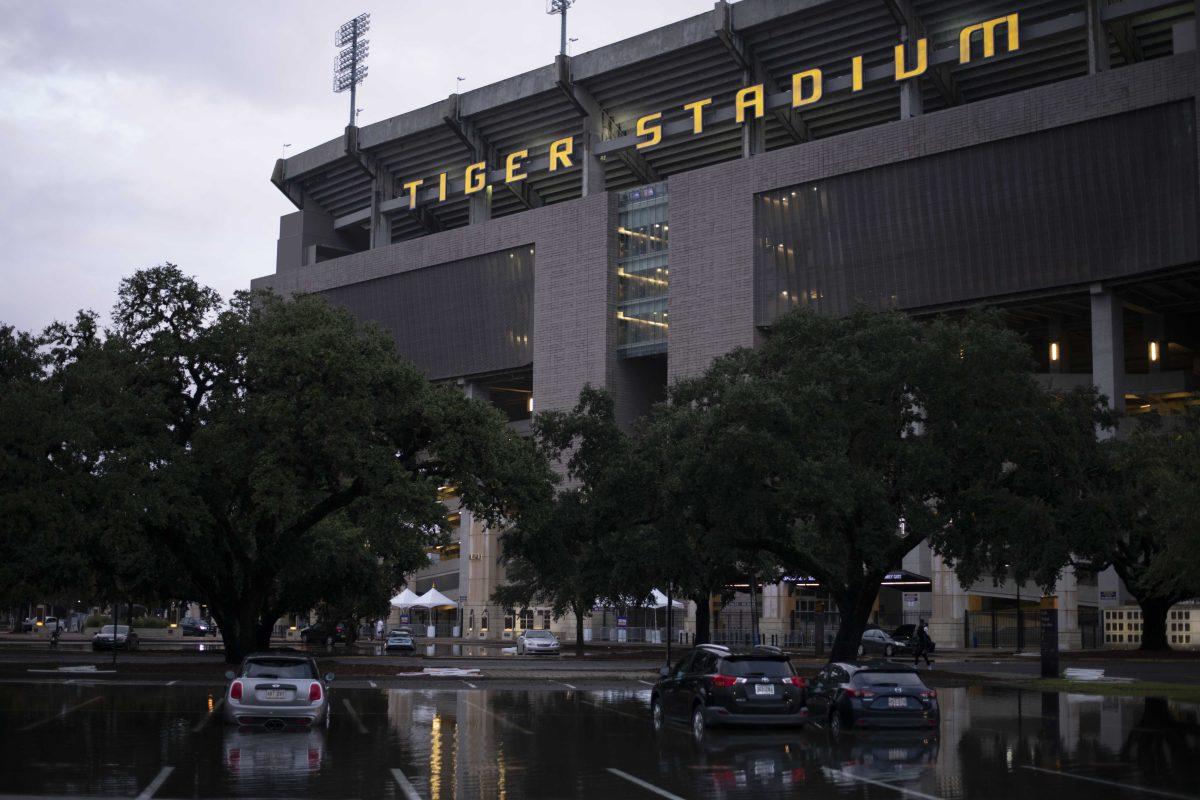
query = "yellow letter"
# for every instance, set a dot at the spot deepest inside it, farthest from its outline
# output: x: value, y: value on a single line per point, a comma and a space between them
x: 442, y: 188
x: 988, y: 29
x: 512, y: 164
x: 411, y: 188
x: 560, y: 152
x: 645, y: 127
x: 902, y: 71
x: 697, y: 109
x: 856, y: 72
x: 798, y: 98
x: 475, y: 178
x: 750, y: 97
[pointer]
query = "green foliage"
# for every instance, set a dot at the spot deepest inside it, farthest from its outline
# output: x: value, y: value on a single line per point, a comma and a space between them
x: 842, y: 443
x: 262, y: 456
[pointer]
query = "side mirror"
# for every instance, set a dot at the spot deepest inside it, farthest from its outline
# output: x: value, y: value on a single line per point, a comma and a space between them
x: 664, y: 672
x: 229, y: 675
x: 329, y: 677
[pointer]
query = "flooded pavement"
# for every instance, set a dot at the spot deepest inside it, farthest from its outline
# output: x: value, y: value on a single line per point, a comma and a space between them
x: 167, y: 741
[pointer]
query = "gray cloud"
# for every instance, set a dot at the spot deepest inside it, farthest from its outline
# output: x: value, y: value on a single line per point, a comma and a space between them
x: 133, y: 133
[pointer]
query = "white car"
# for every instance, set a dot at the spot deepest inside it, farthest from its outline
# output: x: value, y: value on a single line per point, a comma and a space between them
x: 531, y: 642
x: 276, y: 690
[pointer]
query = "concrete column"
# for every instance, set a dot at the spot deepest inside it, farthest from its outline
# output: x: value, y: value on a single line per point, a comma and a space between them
x: 382, y: 189
x: 300, y: 232
x: 776, y: 609
x: 592, y: 173
x: 1108, y: 346
x: 479, y: 206
x: 912, y: 103
x: 1097, y: 34
x: 1066, y: 590
x: 754, y: 131
x: 949, y: 605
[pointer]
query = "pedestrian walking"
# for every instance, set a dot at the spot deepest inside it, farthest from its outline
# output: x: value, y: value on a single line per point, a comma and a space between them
x: 924, y: 644
x: 54, y: 637
x: 378, y: 629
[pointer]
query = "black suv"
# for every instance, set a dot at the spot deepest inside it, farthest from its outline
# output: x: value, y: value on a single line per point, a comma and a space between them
x: 713, y: 686
x: 881, y: 694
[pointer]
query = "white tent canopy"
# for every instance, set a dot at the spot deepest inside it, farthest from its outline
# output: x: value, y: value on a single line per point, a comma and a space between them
x: 406, y: 599
x: 434, y: 599
x: 659, y: 600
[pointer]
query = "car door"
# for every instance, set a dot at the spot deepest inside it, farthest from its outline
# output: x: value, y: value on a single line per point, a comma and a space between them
x: 695, y: 681
x: 671, y: 685
x: 816, y: 692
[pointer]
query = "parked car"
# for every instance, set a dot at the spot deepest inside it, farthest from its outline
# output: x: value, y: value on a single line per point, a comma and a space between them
x: 277, y: 689
x: 123, y: 639
x: 51, y: 624
x: 408, y: 630
x: 28, y: 624
x: 861, y: 695
x: 399, y: 642
x: 711, y: 685
x: 876, y: 642
x: 530, y: 642
x: 190, y: 626
x: 317, y: 634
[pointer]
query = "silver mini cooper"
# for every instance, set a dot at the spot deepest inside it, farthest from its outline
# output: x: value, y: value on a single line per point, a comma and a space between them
x: 276, y: 690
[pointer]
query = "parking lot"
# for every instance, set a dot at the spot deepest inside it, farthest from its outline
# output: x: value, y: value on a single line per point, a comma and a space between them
x: 552, y: 738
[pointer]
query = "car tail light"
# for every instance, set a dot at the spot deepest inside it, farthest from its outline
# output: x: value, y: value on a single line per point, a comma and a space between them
x: 724, y: 681
x: 796, y: 680
x: 314, y: 691
x: 235, y: 691
x: 859, y: 693
x: 930, y: 695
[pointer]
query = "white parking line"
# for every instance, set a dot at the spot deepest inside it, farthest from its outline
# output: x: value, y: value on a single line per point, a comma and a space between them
x: 648, y: 683
x: 172, y: 683
x: 468, y: 683
x: 508, y: 723
x: 650, y: 787
x: 199, y: 726
x: 357, y: 720
x: 156, y: 784
x: 406, y: 788
x: 569, y: 686
x: 906, y: 792
x: 61, y: 714
x: 374, y: 685
x: 1103, y: 782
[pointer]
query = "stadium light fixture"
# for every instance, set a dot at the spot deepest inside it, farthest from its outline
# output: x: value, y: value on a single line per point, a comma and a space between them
x: 349, y: 67
x: 560, y: 7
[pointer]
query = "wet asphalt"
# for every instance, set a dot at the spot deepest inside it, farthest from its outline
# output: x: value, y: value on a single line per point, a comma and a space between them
x: 558, y: 739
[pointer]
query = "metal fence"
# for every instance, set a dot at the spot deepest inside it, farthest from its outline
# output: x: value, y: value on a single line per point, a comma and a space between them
x: 1011, y: 629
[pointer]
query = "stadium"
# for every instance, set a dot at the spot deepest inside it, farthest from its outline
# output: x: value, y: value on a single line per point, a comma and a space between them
x: 623, y: 216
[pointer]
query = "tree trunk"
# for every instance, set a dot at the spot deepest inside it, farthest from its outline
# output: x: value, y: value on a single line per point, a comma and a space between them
x: 855, y: 604
x: 262, y: 633
x: 578, y: 631
x: 703, y: 610
x: 1154, y: 622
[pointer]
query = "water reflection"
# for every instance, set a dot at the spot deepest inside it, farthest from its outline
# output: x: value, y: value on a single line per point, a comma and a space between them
x: 465, y: 743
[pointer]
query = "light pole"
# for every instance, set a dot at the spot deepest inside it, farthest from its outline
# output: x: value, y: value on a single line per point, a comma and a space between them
x: 349, y: 68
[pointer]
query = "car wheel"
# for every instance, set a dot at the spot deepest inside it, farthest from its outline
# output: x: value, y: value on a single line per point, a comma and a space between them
x: 698, y: 723
x: 887, y: 651
x: 835, y: 723
x: 656, y: 714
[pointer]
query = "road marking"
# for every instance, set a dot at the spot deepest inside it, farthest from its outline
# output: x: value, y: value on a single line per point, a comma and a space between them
x: 374, y: 685
x: 406, y: 788
x: 172, y: 683
x: 156, y: 784
x: 569, y: 686
x: 611, y: 709
x: 216, y: 707
x: 506, y: 722
x: 468, y: 683
x: 1102, y: 781
x: 901, y: 789
x: 650, y: 787
x: 648, y: 683
x: 357, y: 720
x: 61, y: 714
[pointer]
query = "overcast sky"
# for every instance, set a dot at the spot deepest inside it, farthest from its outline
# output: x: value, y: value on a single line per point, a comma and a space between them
x: 133, y: 133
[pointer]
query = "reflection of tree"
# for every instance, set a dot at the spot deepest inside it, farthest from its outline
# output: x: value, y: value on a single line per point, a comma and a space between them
x: 1164, y: 742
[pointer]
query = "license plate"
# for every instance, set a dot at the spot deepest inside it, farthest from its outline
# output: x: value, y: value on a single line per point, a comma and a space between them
x: 276, y: 694
x: 764, y: 689
x: 897, y: 702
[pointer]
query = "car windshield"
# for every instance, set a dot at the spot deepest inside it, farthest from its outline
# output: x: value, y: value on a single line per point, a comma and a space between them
x: 277, y: 668
x: 399, y: 636
x: 756, y: 667
x: 874, y: 678
x: 122, y: 630
x: 539, y: 635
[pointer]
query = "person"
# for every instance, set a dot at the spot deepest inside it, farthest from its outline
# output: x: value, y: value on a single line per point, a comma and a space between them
x: 924, y: 644
x: 54, y: 636
x: 378, y: 629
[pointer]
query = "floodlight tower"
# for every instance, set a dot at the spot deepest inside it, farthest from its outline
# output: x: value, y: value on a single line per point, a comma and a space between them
x: 560, y: 7
x: 349, y: 68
